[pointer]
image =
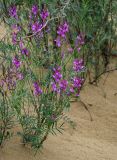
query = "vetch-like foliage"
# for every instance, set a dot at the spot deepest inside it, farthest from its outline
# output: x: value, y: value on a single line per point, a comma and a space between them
x: 41, y: 74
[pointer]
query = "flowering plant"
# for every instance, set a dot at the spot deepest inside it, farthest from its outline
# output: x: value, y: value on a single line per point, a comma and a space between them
x: 42, y: 73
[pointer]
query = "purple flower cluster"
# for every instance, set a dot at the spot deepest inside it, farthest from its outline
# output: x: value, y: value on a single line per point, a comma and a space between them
x: 76, y: 84
x: 14, y: 38
x: 13, y: 11
x: 11, y: 77
x: 25, y: 51
x: 79, y: 41
x: 63, y: 84
x: 16, y: 62
x: 44, y: 14
x: 78, y: 65
x: 54, y: 87
x: 35, y: 9
x: 76, y: 81
x: 63, y: 29
x: 58, y: 41
x: 21, y: 44
x: 36, y: 27
x: 59, y: 84
x: 34, y: 22
x: 37, y: 90
x: 57, y: 74
x: 14, y: 74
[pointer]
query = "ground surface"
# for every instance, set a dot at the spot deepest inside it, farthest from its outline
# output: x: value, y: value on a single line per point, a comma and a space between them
x: 91, y: 140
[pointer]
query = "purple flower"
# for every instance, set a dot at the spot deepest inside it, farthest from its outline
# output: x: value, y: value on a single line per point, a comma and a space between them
x: 35, y: 9
x: 78, y: 65
x: 36, y: 27
x: 54, y: 87
x: 78, y: 49
x: 66, y: 27
x: 77, y: 82
x: 77, y: 94
x: 37, y: 89
x: 63, y: 29
x: 57, y: 75
x: 25, y: 51
x: 14, y: 38
x: 63, y: 85
x: 16, y: 62
x: 80, y: 39
x: 21, y: 44
x: 13, y: 11
x: 58, y: 42
x: 71, y: 90
x: 44, y: 14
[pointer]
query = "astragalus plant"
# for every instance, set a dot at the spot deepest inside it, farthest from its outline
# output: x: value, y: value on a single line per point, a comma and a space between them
x: 43, y: 71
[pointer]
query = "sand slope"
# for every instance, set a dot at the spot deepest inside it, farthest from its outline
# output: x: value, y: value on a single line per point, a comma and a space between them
x: 91, y: 140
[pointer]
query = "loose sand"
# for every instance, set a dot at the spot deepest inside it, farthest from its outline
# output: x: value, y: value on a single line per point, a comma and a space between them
x: 90, y: 140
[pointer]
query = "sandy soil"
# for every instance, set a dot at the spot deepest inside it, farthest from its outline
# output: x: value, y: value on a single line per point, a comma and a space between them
x: 90, y: 140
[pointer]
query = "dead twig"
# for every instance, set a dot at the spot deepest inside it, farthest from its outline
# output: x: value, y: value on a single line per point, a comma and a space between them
x: 85, y: 106
x: 108, y: 71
